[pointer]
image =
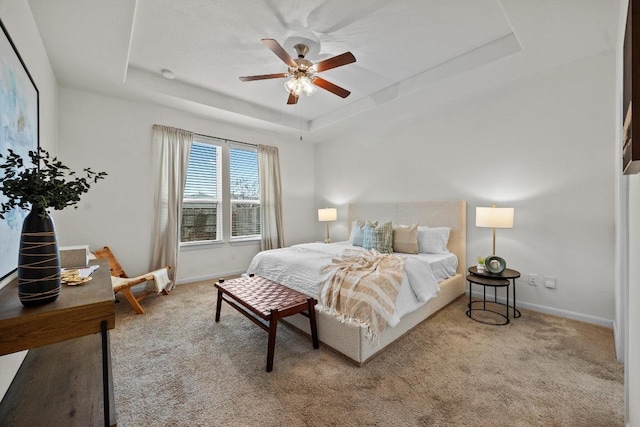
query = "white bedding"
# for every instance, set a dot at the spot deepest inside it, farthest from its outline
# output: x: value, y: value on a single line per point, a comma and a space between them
x: 299, y: 267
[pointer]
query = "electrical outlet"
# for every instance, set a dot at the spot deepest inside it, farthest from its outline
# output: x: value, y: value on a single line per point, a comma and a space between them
x: 533, y: 279
x: 550, y: 282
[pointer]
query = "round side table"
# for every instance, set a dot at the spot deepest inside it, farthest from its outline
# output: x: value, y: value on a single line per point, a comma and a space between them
x: 508, y: 274
x: 495, y: 284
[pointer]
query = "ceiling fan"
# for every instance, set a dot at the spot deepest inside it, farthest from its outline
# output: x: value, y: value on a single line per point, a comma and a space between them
x: 303, y: 72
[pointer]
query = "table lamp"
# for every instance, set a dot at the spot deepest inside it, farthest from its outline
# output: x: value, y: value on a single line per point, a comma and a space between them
x: 494, y: 217
x: 326, y: 215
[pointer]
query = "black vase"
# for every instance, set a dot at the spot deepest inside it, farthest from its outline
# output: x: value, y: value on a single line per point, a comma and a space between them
x: 38, y: 261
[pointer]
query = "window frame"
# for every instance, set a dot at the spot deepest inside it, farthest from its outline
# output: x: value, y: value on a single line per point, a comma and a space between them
x: 217, y: 201
x: 224, y: 214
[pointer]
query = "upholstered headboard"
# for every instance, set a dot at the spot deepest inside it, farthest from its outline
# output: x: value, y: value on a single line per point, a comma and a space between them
x: 436, y: 213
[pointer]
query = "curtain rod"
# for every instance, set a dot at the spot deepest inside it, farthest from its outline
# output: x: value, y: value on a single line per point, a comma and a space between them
x: 225, y: 139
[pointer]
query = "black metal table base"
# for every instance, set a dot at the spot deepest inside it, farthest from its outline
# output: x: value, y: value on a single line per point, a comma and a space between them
x: 495, y: 284
x: 516, y: 312
x: 484, y: 308
x: 105, y: 372
x: 501, y: 280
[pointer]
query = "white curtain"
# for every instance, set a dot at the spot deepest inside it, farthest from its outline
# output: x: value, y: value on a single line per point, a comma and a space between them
x: 270, y: 198
x: 171, y: 148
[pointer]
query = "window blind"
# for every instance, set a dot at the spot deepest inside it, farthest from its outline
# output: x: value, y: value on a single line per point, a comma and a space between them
x: 202, y: 173
x: 243, y: 172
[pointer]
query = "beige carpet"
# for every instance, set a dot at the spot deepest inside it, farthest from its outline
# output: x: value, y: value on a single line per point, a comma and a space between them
x: 174, y: 366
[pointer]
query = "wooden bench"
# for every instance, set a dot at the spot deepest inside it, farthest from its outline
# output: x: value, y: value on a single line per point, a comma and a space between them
x: 265, y: 302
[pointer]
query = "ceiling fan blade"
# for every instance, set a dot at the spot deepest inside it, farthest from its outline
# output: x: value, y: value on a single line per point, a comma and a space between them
x: 292, y: 99
x: 279, y: 51
x: 343, y: 93
x: 263, y: 77
x: 335, y: 61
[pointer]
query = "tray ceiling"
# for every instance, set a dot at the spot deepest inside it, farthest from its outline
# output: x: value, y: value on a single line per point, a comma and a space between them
x: 405, y: 50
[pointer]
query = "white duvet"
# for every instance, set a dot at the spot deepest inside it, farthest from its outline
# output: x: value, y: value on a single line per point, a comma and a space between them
x: 299, y: 267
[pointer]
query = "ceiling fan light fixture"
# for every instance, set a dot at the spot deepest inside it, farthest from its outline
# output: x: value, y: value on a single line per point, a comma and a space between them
x: 298, y: 85
x: 290, y: 85
x: 307, y: 86
x: 303, y: 72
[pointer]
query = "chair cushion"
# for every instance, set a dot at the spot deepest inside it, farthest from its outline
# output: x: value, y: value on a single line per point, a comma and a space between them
x: 120, y: 283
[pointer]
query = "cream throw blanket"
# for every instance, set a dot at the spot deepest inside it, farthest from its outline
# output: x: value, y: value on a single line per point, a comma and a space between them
x: 362, y: 287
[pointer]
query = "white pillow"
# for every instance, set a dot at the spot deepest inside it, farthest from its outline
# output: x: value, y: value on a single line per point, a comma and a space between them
x: 433, y: 240
x: 357, y: 231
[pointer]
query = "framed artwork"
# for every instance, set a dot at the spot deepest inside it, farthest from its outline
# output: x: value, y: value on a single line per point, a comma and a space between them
x: 19, y: 131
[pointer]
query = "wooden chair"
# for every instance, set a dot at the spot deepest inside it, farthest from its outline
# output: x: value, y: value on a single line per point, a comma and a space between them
x: 123, y: 283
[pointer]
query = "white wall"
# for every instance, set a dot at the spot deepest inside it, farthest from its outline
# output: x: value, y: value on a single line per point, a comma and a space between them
x: 114, y: 135
x: 17, y: 18
x: 544, y: 145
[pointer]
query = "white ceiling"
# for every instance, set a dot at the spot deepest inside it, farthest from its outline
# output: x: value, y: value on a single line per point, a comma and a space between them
x: 410, y: 53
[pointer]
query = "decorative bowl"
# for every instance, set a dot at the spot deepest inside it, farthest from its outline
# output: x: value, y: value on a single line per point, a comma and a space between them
x: 494, y: 264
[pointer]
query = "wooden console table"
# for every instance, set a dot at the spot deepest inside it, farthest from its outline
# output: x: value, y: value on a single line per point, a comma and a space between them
x: 59, y: 381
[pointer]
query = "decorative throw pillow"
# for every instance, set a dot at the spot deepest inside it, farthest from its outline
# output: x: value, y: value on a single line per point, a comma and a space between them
x: 379, y: 238
x: 433, y: 240
x: 357, y: 231
x: 405, y: 238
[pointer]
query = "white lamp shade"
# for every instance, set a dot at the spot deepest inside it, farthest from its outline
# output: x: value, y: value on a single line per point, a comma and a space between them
x: 494, y: 217
x: 328, y: 214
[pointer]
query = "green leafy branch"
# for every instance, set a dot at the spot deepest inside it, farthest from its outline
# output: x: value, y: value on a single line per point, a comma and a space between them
x: 52, y: 185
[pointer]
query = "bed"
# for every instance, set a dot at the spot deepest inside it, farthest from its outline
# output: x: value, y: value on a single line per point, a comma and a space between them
x: 298, y: 267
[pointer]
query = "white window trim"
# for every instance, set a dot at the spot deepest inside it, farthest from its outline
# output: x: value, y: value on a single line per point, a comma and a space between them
x: 224, y: 217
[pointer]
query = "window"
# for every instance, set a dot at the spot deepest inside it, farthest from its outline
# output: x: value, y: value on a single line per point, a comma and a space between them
x: 200, y: 204
x: 221, y: 177
x: 245, y: 193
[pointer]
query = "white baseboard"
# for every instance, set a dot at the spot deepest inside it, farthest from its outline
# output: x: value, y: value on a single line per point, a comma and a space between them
x: 619, y: 343
x: 607, y: 323
x: 210, y: 277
